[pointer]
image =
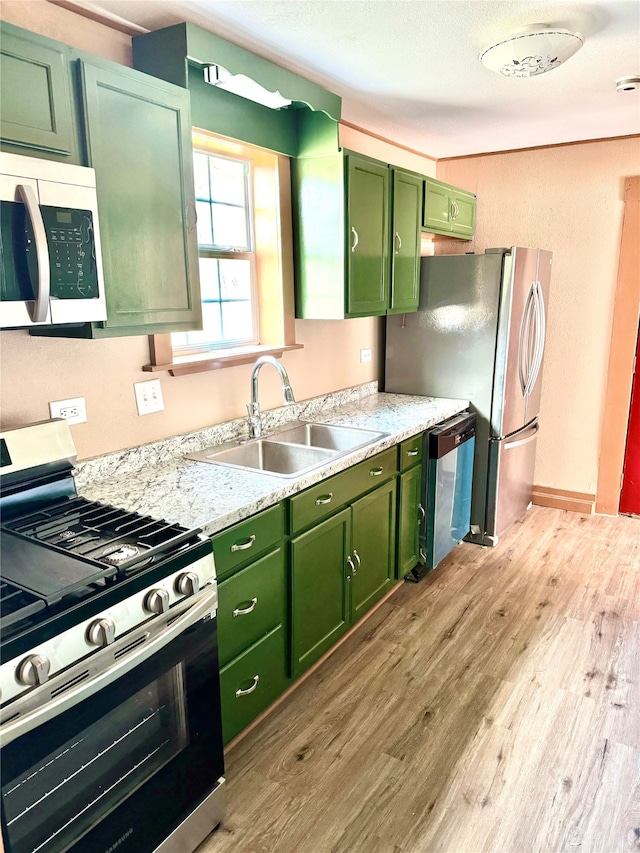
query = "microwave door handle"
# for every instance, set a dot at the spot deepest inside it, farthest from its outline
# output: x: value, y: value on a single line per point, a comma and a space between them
x: 41, y: 304
x: 22, y: 725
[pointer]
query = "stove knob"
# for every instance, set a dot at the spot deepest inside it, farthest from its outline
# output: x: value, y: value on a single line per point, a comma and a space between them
x: 102, y: 632
x: 34, y: 670
x: 188, y: 583
x: 157, y: 601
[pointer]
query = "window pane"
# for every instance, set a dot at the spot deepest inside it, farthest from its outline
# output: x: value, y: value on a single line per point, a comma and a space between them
x: 203, y: 212
x: 201, y: 176
x: 235, y: 279
x: 229, y: 226
x: 227, y: 180
x: 236, y: 321
x: 209, y: 283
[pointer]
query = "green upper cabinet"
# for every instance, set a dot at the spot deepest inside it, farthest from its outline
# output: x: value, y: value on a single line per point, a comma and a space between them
x: 405, y: 242
x: 448, y: 210
x: 348, y: 212
x: 138, y: 133
x: 367, y: 280
x: 38, y: 111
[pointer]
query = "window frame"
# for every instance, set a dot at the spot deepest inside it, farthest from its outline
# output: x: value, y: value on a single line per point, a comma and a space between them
x: 273, y: 253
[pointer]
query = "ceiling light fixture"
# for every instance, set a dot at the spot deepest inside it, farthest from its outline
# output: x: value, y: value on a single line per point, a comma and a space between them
x: 531, y: 51
x: 627, y: 84
x: 245, y: 87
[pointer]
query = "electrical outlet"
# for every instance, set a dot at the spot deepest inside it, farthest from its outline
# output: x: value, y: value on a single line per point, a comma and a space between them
x: 148, y: 397
x: 365, y: 356
x: 74, y: 411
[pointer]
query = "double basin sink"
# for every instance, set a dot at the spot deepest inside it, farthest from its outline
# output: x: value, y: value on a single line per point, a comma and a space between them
x: 294, y: 450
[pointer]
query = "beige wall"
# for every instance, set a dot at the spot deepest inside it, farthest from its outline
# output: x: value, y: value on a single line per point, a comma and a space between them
x: 568, y: 199
x: 37, y: 370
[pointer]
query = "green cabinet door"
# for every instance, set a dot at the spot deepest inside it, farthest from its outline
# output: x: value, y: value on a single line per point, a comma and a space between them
x: 409, y: 517
x: 319, y: 589
x: 464, y: 214
x: 405, y: 242
x: 36, y: 95
x: 367, y: 237
x: 373, y: 548
x: 437, y: 208
x: 138, y: 136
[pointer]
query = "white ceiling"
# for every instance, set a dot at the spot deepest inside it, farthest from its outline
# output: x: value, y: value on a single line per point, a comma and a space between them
x: 408, y: 70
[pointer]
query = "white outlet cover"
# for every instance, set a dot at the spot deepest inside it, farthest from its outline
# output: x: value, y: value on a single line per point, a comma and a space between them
x: 365, y: 356
x: 73, y: 410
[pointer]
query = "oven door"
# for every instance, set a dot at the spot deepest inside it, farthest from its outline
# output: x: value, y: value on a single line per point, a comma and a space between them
x: 115, y: 753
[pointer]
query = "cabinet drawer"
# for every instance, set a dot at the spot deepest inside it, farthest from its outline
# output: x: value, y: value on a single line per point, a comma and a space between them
x: 242, y: 543
x: 410, y: 452
x: 250, y: 604
x: 326, y: 497
x: 251, y: 682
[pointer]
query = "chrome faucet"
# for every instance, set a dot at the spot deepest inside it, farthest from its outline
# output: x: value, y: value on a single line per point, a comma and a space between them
x: 253, y: 408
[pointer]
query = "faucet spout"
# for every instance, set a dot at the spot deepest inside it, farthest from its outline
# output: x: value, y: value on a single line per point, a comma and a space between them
x: 253, y: 408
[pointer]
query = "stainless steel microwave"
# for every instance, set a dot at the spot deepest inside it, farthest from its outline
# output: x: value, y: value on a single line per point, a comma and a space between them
x: 50, y: 259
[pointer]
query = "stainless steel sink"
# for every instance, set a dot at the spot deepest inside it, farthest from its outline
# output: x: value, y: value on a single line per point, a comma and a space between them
x: 338, y: 438
x: 272, y: 457
x: 292, y: 451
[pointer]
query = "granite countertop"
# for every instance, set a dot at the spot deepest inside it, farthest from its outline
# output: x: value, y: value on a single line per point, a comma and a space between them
x: 157, y: 480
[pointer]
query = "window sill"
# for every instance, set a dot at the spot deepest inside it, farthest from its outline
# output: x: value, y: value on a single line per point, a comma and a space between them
x: 185, y: 365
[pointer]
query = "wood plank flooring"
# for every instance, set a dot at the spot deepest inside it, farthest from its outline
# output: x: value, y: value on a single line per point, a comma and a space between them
x: 495, y: 706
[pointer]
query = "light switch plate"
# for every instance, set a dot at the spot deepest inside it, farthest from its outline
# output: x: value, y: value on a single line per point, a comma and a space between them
x: 148, y: 396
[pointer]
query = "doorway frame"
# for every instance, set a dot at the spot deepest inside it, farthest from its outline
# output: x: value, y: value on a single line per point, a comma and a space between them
x: 624, y: 336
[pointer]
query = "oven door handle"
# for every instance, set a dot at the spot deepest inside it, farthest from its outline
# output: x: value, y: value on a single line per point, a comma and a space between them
x: 22, y: 725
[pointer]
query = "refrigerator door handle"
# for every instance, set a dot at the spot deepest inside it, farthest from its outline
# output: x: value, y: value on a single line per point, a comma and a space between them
x: 540, y: 335
x: 530, y: 436
x: 524, y: 347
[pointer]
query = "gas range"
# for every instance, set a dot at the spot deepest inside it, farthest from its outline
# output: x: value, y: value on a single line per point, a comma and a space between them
x: 109, y: 684
x: 66, y: 559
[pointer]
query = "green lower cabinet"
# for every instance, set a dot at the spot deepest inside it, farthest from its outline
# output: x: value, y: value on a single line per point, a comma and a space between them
x: 252, y: 681
x: 409, y: 517
x: 373, y: 539
x: 319, y: 595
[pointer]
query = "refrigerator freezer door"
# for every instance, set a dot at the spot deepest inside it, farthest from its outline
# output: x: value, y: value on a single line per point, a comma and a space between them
x: 510, y: 484
x: 514, y: 343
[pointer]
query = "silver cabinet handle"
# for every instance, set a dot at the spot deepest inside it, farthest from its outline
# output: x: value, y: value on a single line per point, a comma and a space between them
x: 375, y: 472
x: 421, y: 512
x: 354, y: 571
x: 355, y: 239
x: 239, y: 692
x: 324, y: 499
x: 242, y: 611
x: 398, y: 242
x: 41, y: 304
x: 358, y: 560
x: 244, y: 546
x: 413, y: 452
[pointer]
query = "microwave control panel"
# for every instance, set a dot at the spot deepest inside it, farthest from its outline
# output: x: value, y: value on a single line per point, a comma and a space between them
x: 72, y: 252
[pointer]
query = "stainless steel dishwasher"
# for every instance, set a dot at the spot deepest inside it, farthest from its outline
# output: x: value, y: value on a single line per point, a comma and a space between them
x: 446, y: 489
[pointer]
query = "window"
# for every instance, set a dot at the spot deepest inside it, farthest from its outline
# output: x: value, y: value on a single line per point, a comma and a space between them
x: 243, y: 203
x: 224, y: 205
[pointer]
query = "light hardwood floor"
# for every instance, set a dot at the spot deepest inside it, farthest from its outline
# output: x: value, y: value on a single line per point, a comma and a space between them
x: 495, y: 706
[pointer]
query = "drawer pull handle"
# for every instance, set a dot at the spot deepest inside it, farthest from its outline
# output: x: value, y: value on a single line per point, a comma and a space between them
x: 375, y: 472
x: 324, y: 499
x: 239, y: 692
x: 413, y: 452
x: 242, y: 611
x: 243, y: 546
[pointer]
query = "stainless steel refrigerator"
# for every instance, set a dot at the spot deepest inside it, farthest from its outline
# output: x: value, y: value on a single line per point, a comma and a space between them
x: 479, y: 334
